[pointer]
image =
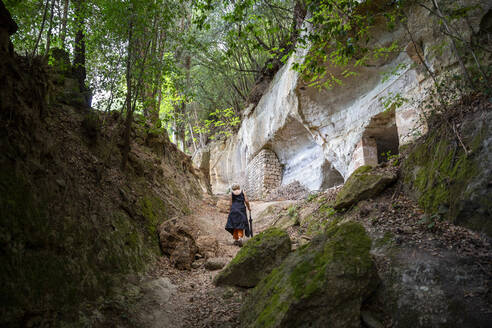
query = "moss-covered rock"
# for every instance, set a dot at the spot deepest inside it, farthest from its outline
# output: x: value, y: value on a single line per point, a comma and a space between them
x: 449, y: 181
x: 362, y: 184
x: 322, y: 284
x: 51, y: 263
x: 256, y: 259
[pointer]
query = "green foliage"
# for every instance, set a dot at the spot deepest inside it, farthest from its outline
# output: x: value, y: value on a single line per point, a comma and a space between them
x: 341, y: 37
x: 312, y: 196
x: 388, y: 157
x: 392, y: 101
x: 222, y: 122
x: 190, y: 58
x: 238, y: 44
x: 327, y: 210
x: 293, y: 213
x: 430, y: 220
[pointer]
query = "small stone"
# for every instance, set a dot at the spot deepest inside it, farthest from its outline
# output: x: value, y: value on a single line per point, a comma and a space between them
x: 197, y: 264
x: 370, y: 321
x: 61, y: 182
x: 216, y: 263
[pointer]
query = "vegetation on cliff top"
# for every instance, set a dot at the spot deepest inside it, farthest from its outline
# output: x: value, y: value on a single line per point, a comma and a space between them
x: 167, y: 59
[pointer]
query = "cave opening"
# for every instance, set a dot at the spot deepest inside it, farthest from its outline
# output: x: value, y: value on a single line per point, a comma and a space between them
x: 382, y: 134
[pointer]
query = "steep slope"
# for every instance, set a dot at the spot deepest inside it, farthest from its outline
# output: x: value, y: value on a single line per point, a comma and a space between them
x: 73, y: 225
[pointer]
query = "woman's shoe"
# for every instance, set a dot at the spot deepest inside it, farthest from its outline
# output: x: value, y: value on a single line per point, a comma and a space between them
x: 240, y: 242
x: 236, y: 243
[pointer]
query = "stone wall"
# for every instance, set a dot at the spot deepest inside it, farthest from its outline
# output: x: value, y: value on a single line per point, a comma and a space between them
x: 263, y: 174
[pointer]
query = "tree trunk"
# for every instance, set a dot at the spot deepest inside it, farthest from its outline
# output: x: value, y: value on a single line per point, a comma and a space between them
x: 63, y: 33
x: 48, y: 34
x: 129, y: 107
x: 79, y: 52
x: 45, y: 12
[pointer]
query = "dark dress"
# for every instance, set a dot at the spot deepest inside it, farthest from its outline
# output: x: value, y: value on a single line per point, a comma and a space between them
x: 238, y: 218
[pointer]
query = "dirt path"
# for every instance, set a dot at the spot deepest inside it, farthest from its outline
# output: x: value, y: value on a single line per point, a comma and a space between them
x: 176, y: 298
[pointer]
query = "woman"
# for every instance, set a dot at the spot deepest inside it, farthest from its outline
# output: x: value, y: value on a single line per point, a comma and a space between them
x: 237, y: 221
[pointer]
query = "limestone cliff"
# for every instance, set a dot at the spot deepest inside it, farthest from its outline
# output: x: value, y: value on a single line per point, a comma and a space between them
x: 321, y: 136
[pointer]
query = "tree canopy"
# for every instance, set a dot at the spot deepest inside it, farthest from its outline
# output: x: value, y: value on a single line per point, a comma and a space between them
x: 191, y: 66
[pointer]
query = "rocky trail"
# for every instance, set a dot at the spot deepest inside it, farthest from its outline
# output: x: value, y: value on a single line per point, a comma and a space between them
x: 188, y: 298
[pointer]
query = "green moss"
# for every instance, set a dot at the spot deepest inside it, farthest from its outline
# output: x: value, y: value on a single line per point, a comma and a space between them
x: 179, y: 198
x: 316, y: 222
x: 347, y: 245
x: 51, y: 264
x: 439, y: 170
x: 362, y: 184
x: 260, y: 240
x: 363, y: 169
x: 154, y: 211
x: 306, y: 274
x: 327, y: 210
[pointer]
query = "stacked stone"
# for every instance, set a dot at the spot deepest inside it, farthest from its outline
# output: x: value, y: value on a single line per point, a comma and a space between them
x: 272, y: 172
x: 263, y: 174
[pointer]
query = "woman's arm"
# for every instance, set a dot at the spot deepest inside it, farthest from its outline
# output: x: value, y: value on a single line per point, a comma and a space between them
x: 246, y: 202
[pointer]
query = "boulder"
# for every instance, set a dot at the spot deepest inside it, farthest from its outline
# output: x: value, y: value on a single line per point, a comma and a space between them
x: 207, y: 246
x: 183, y: 255
x: 216, y: 263
x: 258, y: 257
x: 322, y: 284
x: 423, y: 288
x: 177, y: 240
x: 364, y: 183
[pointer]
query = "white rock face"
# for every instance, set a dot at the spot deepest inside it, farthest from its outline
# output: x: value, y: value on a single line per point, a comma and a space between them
x: 322, y: 136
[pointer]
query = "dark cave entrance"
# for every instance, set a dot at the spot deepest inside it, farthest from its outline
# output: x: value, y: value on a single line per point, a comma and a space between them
x: 382, y: 129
